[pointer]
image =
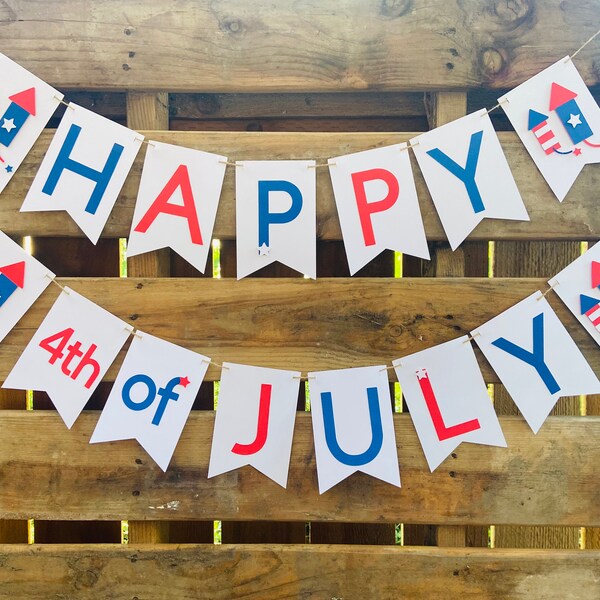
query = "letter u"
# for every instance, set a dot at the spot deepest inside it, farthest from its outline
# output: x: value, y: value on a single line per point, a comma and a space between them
x: 353, y: 460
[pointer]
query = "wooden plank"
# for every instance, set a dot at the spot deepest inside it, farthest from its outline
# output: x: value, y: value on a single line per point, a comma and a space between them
x: 331, y: 262
x: 543, y: 479
x: 275, y: 572
x: 206, y: 107
x: 186, y: 45
x: 576, y: 218
x: 471, y: 258
x: 297, y: 323
x: 148, y: 111
x: 534, y: 259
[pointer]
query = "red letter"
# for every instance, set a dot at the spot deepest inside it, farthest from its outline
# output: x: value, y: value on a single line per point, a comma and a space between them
x: 180, y: 179
x: 366, y: 209
x: 443, y: 432
x: 263, y: 424
x: 56, y: 352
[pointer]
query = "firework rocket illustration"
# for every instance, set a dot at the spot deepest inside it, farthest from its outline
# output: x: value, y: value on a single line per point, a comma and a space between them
x: 11, y: 278
x: 590, y: 307
x: 538, y: 125
x: 21, y: 107
x: 562, y: 101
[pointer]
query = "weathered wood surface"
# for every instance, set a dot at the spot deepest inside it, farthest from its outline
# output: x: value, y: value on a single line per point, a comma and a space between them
x: 188, y: 45
x: 296, y: 323
x: 540, y: 479
x: 275, y: 572
x: 576, y: 218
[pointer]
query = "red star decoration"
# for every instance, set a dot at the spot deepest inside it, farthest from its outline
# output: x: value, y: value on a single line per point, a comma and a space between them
x: 577, y: 151
x: 184, y: 381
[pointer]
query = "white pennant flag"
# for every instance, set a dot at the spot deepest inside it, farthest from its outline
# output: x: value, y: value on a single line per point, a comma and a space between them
x: 447, y: 399
x: 558, y: 121
x: 377, y: 204
x: 578, y: 286
x: 70, y: 353
x: 84, y: 169
x: 276, y: 215
x: 467, y: 175
x: 152, y: 396
x: 535, y: 358
x: 177, y: 202
x: 26, y: 105
x: 255, y: 421
x: 22, y: 280
x: 353, y: 425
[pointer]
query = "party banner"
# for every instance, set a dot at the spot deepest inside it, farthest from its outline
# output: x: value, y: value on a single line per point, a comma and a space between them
x: 70, y: 353
x: 255, y: 418
x: 535, y: 358
x: 578, y: 286
x: 467, y: 175
x: 152, y: 396
x: 22, y: 280
x: 353, y: 425
x: 26, y: 105
x: 448, y: 399
x: 276, y: 215
x: 177, y: 202
x: 558, y: 121
x: 84, y: 169
x: 377, y: 204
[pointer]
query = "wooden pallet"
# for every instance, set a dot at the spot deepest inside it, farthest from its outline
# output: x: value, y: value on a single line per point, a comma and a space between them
x: 267, y: 80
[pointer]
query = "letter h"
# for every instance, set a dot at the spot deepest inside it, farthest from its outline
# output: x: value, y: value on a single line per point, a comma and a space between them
x: 64, y: 161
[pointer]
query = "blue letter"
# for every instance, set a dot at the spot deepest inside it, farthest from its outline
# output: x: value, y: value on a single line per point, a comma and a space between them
x: 64, y: 161
x: 535, y: 358
x: 265, y: 218
x: 126, y: 392
x: 466, y: 174
x: 165, y: 394
x: 354, y: 460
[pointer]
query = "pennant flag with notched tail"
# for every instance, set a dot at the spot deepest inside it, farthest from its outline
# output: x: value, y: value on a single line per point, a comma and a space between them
x: 22, y: 280
x: 578, y: 286
x: 558, y: 121
x: 276, y: 215
x: 377, y: 204
x: 177, y: 202
x: 70, y: 353
x: 255, y: 421
x: 447, y: 399
x: 353, y: 425
x: 26, y: 105
x: 535, y: 358
x: 152, y: 396
x: 467, y: 175
x: 84, y: 169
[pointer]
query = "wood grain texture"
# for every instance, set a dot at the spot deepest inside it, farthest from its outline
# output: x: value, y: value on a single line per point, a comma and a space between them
x: 540, y: 479
x: 534, y: 259
x: 275, y: 572
x: 297, y: 323
x: 576, y: 218
x: 190, y: 45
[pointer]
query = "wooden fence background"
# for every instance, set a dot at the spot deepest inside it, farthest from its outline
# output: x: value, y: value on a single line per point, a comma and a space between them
x: 266, y: 80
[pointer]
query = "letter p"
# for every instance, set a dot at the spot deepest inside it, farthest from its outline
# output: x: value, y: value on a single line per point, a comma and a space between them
x: 267, y: 218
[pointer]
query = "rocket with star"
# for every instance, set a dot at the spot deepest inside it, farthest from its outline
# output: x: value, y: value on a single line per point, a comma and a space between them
x: 562, y: 101
x: 21, y: 107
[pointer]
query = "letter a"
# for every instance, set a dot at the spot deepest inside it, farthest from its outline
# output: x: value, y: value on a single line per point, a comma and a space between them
x: 181, y: 180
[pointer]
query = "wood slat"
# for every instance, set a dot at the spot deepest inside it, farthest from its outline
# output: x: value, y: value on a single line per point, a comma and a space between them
x: 540, y: 479
x: 576, y: 218
x: 297, y: 323
x: 187, y: 45
x: 275, y: 572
